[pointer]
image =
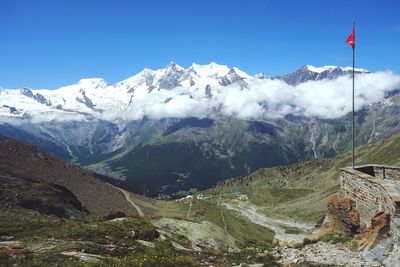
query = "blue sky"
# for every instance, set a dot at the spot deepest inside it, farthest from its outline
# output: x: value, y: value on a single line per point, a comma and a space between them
x: 51, y: 43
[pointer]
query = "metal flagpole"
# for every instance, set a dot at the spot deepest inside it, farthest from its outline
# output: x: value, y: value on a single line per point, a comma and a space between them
x: 354, y: 47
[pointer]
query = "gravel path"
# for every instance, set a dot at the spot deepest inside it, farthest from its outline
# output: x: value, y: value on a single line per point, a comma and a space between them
x: 250, y: 211
x: 128, y: 198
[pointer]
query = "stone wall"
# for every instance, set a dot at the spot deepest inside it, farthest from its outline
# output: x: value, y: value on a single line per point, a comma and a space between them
x: 370, y: 195
x: 386, y: 172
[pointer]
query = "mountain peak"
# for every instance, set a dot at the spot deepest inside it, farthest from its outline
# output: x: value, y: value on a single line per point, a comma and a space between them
x: 261, y: 75
x: 211, y: 69
x: 173, y: 66
x: 310, y: 72
x: 241, y: 73
x: 330, y: 68
x: 318, y: 69
x: 93, y: 83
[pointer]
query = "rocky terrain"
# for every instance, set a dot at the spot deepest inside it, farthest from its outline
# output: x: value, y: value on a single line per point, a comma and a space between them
x: 325, y: 253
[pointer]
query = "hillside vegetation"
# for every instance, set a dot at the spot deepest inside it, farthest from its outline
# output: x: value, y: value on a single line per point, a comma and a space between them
x: 45, y: 183
x: 301, y: 190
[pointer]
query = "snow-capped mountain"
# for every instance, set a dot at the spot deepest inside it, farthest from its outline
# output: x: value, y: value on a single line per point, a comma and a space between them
x: 95, y: 98
x: 200, y: 124
x: 309, y: 72
x: 198, y: 90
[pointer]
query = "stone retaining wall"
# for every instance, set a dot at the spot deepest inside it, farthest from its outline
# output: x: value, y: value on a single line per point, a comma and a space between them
x: 371, y: 197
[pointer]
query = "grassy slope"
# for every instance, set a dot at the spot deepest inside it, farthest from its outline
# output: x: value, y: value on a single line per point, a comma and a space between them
x: 46, y: 237
x: 244, y: 231
x: 298, y: 190
x: 301, y: 190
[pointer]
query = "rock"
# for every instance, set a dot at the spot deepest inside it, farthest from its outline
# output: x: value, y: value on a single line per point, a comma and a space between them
x: 119, y: 219
x: 393, y: 259
x: 248, y: 265
x: 13, y: 248
x: 11, y: 244
x: 380, y: 226
x: 204, y: 234
x: 342, y: 216
x: 324, y: 254
x: 196, y: 248
x: 179, y: 247
x: 146, y: 243
x: 6, y: 237
x: 162, y: 237
x: 233, y: 250
x: 92, y: 258
x: 289, y: 240
x: 381, y: 223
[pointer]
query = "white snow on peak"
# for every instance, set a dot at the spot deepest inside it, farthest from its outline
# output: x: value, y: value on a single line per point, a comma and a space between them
x: 241, y: 73
x: 330, y: 67
x: 197, y: 86
x: 355, y: 69
x: 93, y: 83
x: 173, y: 66
x: 260, y: 75
x: 210, y: 70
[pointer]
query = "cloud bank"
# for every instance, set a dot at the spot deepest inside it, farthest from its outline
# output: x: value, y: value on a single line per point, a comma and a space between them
x: 270, y: 99
x: 256, y: 99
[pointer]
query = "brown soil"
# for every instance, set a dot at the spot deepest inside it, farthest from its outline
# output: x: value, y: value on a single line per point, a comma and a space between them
x: 32, y: 177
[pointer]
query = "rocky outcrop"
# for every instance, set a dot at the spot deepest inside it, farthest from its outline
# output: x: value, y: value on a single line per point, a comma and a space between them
x: 203, y: 234
x: 379, y: 228
x: 328, y: 254
x: 342, y: 216
x: 380, y: 224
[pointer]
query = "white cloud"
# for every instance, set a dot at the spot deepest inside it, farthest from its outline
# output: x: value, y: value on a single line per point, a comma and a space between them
x: 324, y: 98
x: 332, y: 98
x: 260, y: 99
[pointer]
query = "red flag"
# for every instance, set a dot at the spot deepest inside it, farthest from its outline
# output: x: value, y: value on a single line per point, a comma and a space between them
x: 351, y: 40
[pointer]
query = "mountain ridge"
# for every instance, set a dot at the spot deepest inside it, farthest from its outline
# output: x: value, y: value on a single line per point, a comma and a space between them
x: 207, y: 113
x: 94, y: 96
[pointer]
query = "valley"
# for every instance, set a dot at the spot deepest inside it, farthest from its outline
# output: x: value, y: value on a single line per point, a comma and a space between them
x: 206, y: 133
x: 124, y: 131
x: 244, y: 216
x: 136, y: 190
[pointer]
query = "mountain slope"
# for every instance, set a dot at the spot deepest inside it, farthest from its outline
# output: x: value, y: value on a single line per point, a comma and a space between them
x: 197, y: 157
x: 45, y: 177
x: 22, y: 192
x: 189, y: 155
x: 309, y: 72
x: 301, y: 190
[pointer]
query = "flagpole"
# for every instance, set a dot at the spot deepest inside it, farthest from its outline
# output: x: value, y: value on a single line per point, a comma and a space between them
x: 354, y: 47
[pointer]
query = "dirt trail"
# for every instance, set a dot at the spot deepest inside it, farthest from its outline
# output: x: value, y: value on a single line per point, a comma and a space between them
x: 250, y: 211
x: 128, y: 198
x: 223, y: 219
